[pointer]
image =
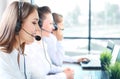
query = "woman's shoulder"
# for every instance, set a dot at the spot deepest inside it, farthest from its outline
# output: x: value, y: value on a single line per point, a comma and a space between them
x: 3, y: 54
x: 6, y: 56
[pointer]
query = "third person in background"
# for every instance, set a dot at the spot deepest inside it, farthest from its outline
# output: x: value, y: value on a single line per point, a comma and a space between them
x: 54, y: 42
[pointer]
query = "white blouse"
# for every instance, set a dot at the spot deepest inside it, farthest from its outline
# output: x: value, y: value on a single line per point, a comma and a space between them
x: 9, y: 68
x: 39, y: 63
x: 56, y: 51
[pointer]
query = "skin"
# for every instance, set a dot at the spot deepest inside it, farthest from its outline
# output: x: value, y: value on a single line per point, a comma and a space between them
x: 47, y: 24
x: 59, y: 35
x: 30, y: 24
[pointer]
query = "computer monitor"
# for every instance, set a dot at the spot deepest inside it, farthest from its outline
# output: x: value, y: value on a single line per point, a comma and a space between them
x: 118, y: 56
x: 110, y: 45
x: 115, y: 54
x: 96, y: 64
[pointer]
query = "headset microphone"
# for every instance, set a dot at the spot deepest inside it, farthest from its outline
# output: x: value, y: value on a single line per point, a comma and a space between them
x: 46, y: 30
x: 37, y: 37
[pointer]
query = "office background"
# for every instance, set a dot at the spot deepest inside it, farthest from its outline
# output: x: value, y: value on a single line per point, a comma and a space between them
x: 89, y: 24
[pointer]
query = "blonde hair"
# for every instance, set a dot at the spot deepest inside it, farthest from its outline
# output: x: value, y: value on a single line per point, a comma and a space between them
x: 8, y: 23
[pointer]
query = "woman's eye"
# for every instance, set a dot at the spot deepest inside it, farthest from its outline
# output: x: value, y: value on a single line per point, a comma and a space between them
x: 34, y: 23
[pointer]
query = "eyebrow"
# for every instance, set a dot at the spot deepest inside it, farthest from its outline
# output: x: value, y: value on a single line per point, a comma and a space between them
x: 36, y: 19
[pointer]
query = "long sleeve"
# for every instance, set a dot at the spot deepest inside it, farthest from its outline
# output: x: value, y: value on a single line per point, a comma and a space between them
x: 69, y: 59
x: 56, y: 76
x: 64, y: 58
x: 60, y: 52
x: 55, y: 50
x: 9, y: 67
x: 5, y: 74
x: 39, y: 63
x: 55, y: 69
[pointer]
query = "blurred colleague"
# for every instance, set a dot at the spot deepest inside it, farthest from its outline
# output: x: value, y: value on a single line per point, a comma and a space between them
x: 54, y: 42
x: 37, y: 55
x: 17, y: 28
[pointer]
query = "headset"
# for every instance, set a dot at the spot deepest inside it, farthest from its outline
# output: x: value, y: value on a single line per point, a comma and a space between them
x: 40, y: 22
x: 19, y: 19
x: 55, y: 24
x: 18, y: 28
x: 19, y: 22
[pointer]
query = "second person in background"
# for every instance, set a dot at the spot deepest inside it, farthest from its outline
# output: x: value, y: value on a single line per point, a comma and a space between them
x: 37, y: 55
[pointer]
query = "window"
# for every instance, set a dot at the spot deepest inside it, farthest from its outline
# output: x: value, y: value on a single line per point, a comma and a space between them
x: 105, y: 18
x: 89, y: 24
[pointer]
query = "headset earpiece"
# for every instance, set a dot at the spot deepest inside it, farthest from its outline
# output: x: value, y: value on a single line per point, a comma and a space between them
x: 55, y: 25
x: 40, y: 23
x: 18, y: 24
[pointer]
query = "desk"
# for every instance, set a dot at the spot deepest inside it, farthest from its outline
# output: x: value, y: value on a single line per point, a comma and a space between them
x: 86, y: 74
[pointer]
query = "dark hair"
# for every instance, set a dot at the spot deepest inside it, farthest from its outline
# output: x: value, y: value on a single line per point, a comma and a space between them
x: 42, y: 11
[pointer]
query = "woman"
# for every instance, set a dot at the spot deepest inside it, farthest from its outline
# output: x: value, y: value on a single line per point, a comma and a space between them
x: 37, y: 54
x: 17, y: 28
x: 56, y: 51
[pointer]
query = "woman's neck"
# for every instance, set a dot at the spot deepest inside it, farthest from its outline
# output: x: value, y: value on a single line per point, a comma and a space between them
x: 17, y: 43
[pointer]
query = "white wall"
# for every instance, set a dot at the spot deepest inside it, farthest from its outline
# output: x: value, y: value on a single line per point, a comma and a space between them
x: 3, y: 4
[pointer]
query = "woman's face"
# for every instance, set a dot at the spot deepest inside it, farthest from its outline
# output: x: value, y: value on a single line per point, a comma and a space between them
x: 47, y: 24
x: 60, y: 28
x: 30, y: 25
